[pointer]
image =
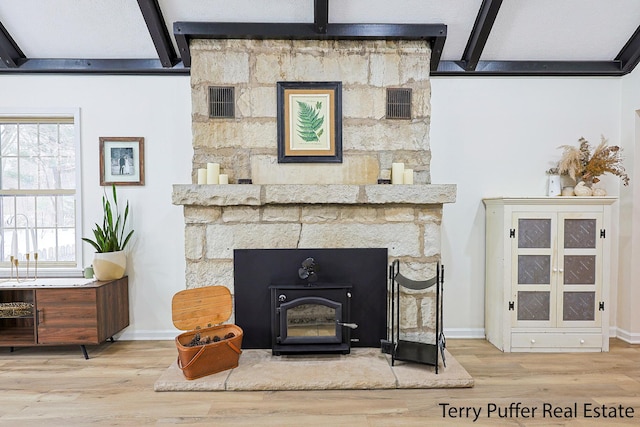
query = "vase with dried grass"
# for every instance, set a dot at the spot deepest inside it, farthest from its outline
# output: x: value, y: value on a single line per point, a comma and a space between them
x: 584, y: 164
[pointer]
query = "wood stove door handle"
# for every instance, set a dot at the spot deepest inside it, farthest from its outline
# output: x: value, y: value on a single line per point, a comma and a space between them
x: 348, y: 325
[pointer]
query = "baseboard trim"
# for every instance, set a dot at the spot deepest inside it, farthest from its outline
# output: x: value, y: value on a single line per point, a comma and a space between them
x: 453, y: 333
x: 628, y: 337
x: 464, y: 333
x: 154, y: 335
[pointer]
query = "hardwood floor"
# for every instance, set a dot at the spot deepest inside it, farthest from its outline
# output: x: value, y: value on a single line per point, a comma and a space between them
x: 55, y: 386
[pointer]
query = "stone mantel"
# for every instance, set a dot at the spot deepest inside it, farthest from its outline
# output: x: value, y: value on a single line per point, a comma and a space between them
x: 274, y: 194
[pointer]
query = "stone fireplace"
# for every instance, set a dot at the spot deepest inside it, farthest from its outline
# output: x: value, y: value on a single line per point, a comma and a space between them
x: 296, y: 206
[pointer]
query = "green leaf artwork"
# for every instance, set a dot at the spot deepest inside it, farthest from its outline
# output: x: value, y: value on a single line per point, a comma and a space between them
x: 310, y: 121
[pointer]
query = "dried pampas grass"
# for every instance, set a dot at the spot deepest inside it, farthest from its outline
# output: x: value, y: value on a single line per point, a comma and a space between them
x: 583, y: 165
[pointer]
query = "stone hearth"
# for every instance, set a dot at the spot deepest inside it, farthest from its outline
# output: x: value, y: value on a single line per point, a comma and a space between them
x: 364, y: 369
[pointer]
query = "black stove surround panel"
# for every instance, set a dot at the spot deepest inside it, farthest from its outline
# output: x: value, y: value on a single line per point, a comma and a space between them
x: 345, y: 298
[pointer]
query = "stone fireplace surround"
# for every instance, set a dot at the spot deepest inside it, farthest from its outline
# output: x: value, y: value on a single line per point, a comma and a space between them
x: 292, y: 206
x: 405, y: 219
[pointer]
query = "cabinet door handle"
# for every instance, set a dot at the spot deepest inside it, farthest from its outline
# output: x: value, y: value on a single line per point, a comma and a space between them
x: 561, y: 270
x: 581, y: 341
x: 533, y: 341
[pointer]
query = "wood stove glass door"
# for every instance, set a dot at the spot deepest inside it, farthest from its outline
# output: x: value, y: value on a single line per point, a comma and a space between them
x: 310, y: 320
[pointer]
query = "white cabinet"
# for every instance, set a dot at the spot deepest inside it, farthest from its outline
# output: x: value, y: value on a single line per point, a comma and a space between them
x: 547, y: 273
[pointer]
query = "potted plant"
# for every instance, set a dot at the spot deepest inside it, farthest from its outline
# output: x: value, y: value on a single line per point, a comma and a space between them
x: 110, y: 261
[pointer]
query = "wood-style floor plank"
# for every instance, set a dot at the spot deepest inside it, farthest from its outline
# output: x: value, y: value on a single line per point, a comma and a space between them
x: 55, y: 386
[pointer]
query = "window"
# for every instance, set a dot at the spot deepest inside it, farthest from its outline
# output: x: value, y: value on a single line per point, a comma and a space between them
x: 39, y: 192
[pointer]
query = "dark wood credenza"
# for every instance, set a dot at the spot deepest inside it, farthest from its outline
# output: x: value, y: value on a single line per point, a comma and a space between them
x: 60, y: 315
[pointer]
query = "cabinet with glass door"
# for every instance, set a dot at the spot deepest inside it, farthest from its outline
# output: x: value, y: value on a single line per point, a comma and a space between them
x: 547, y: 273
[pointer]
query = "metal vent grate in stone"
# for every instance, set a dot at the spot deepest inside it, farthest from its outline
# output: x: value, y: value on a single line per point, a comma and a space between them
x: 221, y: 102
x: 398, y: 103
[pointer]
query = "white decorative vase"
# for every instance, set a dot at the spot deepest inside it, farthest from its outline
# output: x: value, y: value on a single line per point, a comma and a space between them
x: 109, y: 265
x: 582, y: 190
x: 554, y: 186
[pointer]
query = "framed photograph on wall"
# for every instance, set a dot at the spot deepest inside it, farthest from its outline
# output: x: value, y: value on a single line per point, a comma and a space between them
x: 309, y: 122
x: 121, y: 160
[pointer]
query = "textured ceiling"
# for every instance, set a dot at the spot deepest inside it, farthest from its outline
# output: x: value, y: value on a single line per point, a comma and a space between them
x: 565, y: 37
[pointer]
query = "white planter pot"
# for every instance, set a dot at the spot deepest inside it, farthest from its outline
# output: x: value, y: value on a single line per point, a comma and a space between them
x: 109, y: 265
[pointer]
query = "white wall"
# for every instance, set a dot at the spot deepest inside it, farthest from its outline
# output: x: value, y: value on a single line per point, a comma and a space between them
x: 157, y: 108
x: 496, y: 137
x: 491, y: 136
x: 628, y: 319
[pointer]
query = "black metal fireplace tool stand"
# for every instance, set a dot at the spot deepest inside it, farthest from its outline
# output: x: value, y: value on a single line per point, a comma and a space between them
x: 414, y: 351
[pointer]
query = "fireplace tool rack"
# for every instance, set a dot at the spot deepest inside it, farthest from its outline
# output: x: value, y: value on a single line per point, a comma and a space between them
x: 414, y: 351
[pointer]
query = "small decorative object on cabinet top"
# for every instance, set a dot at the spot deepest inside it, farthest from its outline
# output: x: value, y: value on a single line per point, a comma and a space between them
x: 555, y: 188
x: 582, y: 190
x: 568, y: 191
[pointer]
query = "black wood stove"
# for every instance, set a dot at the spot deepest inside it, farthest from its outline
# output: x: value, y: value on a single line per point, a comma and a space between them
x: 311, y: 319
x: 299, y: 300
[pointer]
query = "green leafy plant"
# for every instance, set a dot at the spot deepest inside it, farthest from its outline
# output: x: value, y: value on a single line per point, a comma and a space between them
x: 110, y: 237
x: 310, y: 121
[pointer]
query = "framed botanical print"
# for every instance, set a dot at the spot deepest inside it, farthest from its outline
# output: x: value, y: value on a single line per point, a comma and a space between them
x: 309, y: 122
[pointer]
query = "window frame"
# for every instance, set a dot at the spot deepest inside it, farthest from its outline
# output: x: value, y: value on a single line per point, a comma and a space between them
x: 46, y: 113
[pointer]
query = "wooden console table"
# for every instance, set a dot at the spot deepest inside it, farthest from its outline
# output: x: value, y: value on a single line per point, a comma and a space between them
x: 82, y: 314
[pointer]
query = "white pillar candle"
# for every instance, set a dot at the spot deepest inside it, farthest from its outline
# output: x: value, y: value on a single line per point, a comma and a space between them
x: 14, y: 244
x: 397, y: 173
x: 202, y: 176
x: 213, y: 173
x: 223, y: 178
x: 408, y: 176
x: 34, y: 240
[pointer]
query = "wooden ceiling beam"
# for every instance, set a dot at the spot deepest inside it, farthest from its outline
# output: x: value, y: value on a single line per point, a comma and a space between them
x: 629, y: 56
x: 94, y: 66
x: 320, y: 15
x: 531, y: 68
x: 10, y: 54
x: 158, y: 30
x: 185, y: 31
x: 480, y: 33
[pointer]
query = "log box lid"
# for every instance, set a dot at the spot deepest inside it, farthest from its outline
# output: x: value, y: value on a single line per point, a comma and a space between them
x: 200, y: 307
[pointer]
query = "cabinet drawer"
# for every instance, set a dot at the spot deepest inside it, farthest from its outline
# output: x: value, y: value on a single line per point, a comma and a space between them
x: 555, y: 340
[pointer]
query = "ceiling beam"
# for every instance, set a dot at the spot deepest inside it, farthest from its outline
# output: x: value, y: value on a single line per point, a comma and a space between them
x: 185, y: 31
x: 320, y: 15
x: 94, y: 66
x: 531, y: 68
x: 158, y: 30
x: 480, y: 33
x: 10, y: 53
x: 629, y: 56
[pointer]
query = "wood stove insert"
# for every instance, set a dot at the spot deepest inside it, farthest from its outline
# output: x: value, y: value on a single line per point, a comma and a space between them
x: 311, y: 319
x: 365, y: 269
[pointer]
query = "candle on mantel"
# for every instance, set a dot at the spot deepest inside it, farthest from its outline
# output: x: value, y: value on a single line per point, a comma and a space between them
x: 223, y: 178
x: 408, y: 176
x: 213, y: 173
x: 202, y: 176
x: 397, y: 173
